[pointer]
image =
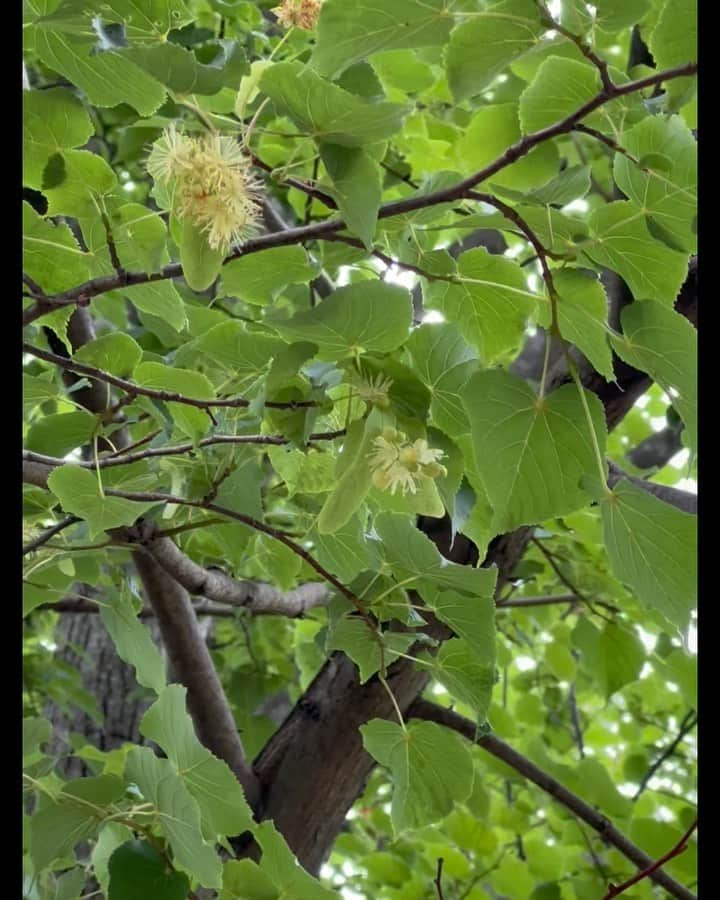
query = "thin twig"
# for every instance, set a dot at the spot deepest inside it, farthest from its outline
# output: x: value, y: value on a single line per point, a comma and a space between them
x: 680, y: 847
x: 423, y: 709
x: 438, y: 879
x: 686, y: 726
x: 49, y: 534
x: 125, y: 459
x: 131, y: 388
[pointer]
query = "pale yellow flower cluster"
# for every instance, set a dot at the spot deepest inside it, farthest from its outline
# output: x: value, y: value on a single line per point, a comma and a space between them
x: 298, y: 13
x: 211, y: 184
x: 397, y: 463
x: 374, y: 389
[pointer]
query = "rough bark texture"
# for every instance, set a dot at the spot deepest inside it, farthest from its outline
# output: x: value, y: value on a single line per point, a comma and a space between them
x: 192, y: 666
x: 103, y: 673
x: 314, y: 767
x: 84, y: 644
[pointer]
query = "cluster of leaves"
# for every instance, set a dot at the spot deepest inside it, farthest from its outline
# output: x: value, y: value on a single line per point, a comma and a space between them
x: 250, y: 412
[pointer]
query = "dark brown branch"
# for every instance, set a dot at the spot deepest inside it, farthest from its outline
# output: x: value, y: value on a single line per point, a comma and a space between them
x: 423, y: 709
x: 308, y: 189
x: 582, y: 45
x: 124, y: 459
x: 682, y: 500
x: 133, y: 389
x: 438, y: 879
x: 48, y: 534
x: 548, y: 600
x: 658, y: 449
x: 686, y: 726
x: 84, y: 292
x: 680, y: 847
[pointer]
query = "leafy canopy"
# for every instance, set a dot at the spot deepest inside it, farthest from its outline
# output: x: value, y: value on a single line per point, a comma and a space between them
x: 290, y: 286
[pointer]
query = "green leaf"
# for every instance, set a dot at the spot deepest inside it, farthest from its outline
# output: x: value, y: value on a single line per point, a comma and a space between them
x: 368, y: 317
x: 36, y: 391
x: 674, y: 42
x: 36, y: 731
x: 53, y: 120
x: 431, y: 767
x: 416, y: 562
x: 667, y: 193
x: 79, y: 492
x: 179, y: 70
x: 491, y: 130
x: 325, y: 111
x: 161, y: 299
x: 107, y: 78
x: 560, y: 87
x: 260, y: 277
x: 353, y: 476
x: 243, y: 879
x: 201, y: 263
x: 613, y: 656
x: 137, y: 870
x: 571, y: 184
x: 222, y: 804
x: 353, y: 636
x: 349, y: 32
x: 279, y: 864
x: 663, y: 343
x: 231, y: 347
x: 357, y: 187
x: 652, y: 547
x: 582, y: 315
x: 467, y: 671
x: 444, y: 362
x: 116, y: 353
x: 111, y: 836
x: 346, y: 553
x: 481, y: 47
x: 531, y: 453
x: 86, y: 178
x: 189, y: 419
x: 178, y: 813
x: 622, y: 242
x: 306, y: 473
x: 59, y: 433
x: 614, y: 15
x: 51, y: 255
x: 471, y: 618
x: 73, y: 817
x: 491, y: 305
x: 133, y: 641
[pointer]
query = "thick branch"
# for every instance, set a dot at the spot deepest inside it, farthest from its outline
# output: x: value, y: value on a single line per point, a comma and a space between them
x: 193, y: 667
x: 682, y: 500
x: 422, y: 709
x: 254, y: 596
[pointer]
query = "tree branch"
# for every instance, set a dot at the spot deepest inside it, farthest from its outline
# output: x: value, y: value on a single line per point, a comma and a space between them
x: 680, y: 847
x: 423, y: 709
x: 84, y: 292
x: 257, y: 597
x: 686, y: 726
x: 193, y: 667
x: 124, y: 459
x: 682, y: 500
